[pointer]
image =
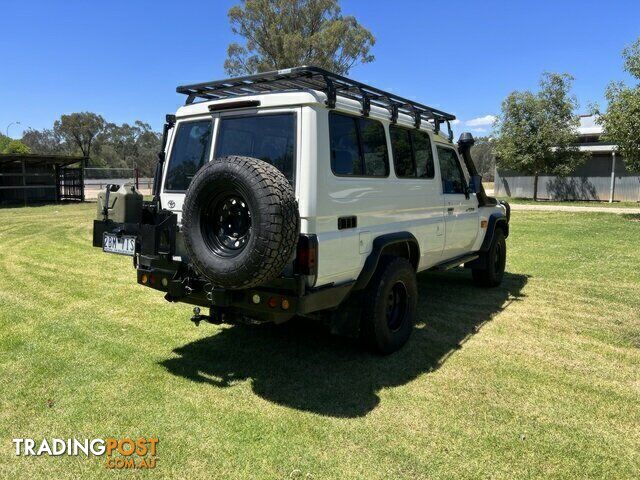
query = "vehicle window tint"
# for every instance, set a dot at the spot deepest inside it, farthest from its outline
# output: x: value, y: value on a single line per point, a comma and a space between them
x: 358, y: 146
x: 412, y: 155
x: 402, y: 155
x: 189, y: 153
x: 345, y: 151
x: 270, y: 138
x: 374, y: 148
x: 423, y: 154
x: 450, y: 171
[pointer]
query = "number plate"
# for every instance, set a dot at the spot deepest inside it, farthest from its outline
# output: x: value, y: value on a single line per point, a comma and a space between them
x: 121, y: 245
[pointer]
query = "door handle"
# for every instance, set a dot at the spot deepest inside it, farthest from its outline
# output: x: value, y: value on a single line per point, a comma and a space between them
x: 450, y: 210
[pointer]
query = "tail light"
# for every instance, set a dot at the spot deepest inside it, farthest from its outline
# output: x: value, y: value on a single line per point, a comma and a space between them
x: 307, y: 255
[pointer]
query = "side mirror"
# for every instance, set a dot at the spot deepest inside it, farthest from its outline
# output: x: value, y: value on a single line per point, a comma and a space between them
x: 475, y: 183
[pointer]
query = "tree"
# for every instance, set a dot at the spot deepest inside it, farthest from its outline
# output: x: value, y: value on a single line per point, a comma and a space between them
x: 80, y: 130
x: 44, y: 141
x: 9, y: 145
x: 286, y: 33
x: 134, y: 145
x: 123, y: 139
x: 16, y: 146
x: 4, y: 142
x: 109, y: 145
x: 484, y: 157
x: 537, y: 132
x: 621, y: 122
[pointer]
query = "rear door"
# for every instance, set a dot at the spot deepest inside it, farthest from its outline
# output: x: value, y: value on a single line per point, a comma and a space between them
x: 461, y: 207
x: 190, y: 149
x: 270, y: 135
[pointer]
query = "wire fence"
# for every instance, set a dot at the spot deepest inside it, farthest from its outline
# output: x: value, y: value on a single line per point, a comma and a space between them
x: 96, y: 179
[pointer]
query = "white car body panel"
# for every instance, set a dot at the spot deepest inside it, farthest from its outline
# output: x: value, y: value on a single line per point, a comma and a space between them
x: 445, y: 226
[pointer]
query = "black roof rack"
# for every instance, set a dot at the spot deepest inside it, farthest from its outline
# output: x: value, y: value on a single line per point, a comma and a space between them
x: 315, y: 78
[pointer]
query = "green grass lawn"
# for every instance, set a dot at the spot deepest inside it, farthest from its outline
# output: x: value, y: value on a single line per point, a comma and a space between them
x: 577, y: 203
x: 537, y: 378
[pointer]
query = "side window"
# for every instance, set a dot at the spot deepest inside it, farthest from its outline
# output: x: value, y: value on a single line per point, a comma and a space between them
x: 374, y: 148
x: 189, y: 153
x: 345, y: 151
x: 452, y: 177
x: 412, y: 155
x: 358, y: 146
x: 423, y: 154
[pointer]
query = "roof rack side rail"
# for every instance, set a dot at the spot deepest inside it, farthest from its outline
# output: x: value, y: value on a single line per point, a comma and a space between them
x: 315, y: 78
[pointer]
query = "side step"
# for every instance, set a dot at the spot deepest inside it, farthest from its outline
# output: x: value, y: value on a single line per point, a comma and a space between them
x: 455, y: 262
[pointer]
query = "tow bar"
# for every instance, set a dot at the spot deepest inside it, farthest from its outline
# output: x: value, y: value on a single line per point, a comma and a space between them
x: 197, y: 317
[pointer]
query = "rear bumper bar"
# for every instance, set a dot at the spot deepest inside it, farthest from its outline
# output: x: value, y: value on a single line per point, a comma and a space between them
x: 278, y: 300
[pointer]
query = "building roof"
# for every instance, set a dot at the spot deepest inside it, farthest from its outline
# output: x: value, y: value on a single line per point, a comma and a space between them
x: 38, y: 159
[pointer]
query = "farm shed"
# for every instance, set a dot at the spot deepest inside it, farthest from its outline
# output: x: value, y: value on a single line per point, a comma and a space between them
x: 27, y: 179
x: 603, y: 176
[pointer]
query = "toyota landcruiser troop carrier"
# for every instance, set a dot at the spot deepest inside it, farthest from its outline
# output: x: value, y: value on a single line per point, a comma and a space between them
x: 304, y: 193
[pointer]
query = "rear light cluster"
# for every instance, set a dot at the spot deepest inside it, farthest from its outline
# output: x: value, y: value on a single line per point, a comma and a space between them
x: 307, y: 255
x: 272, y: 302
x: 150, y: 279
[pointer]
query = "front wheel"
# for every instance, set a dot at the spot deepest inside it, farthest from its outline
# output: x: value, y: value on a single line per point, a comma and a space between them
x: 390, y: 310
x: 491, y: 276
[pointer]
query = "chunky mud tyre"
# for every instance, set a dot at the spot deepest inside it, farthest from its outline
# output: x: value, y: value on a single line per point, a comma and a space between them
x: 240, y: 222
x: 496, y: 259
x: 389, y: 311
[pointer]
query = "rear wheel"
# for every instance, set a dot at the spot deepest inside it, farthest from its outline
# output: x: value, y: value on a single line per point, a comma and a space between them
x: 389, y: 313
x: 496, y: 257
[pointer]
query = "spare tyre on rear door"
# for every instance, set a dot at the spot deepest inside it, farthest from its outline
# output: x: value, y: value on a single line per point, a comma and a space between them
x: 240, y: 222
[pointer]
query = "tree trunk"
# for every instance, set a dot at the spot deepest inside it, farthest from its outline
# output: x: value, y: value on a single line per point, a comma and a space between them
x: 535, y: 187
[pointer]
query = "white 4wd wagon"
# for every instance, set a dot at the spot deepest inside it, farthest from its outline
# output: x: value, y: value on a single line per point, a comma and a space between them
x: 305, y: 193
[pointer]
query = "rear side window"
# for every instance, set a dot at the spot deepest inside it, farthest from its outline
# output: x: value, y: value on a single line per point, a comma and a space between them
x: 269, y: 137
x: 412, y: 154
x: 452, y: 177
x: 189, y: 153
x: 358, y: 146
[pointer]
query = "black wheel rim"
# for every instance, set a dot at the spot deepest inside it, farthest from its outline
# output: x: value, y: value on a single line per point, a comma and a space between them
x: 226, y: 224
x: 397, y: 306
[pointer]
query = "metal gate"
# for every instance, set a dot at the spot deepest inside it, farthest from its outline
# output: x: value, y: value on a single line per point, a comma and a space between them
x: 70, y: 184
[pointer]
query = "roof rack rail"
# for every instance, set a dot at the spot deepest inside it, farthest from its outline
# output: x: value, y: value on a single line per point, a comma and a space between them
x: 315, y: 78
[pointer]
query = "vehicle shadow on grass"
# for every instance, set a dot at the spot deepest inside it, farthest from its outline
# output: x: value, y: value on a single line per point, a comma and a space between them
x: 302, y: 366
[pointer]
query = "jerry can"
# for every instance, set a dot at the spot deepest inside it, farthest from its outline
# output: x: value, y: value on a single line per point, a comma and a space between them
x: 120, y: 204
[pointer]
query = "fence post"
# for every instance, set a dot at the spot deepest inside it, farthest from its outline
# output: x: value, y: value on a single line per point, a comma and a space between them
x: 24, y: 181
x: 81, y: 182
x: 613, y: 176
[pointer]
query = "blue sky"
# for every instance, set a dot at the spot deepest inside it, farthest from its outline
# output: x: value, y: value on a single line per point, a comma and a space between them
x: 123, y: 59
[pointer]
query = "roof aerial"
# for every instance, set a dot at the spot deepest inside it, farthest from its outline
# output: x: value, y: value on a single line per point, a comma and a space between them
x: 315, y: 78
